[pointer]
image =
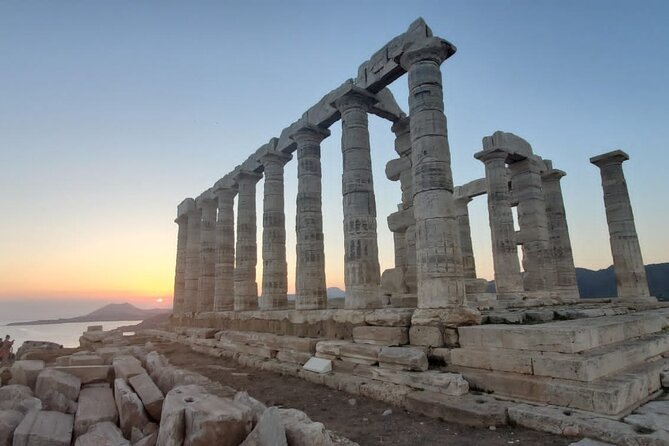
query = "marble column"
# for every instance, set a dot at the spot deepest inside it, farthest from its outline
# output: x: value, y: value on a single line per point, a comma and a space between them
x: 275, y: 269
x: 540, y: 273
x: 246, y: 287
x: 205, y: 300
x: 310, y: 285
x: 192, y: 275
x: 462, y: 215
x: 558, y: 232
x: 362, y: 275
x: 224, y: 284
x: 508, y: 279
x: 627, y: 261
x: 180, y: 270
x: 440, y: 281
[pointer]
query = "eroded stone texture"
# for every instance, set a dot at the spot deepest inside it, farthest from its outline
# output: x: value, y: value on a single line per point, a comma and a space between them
x: 44, y: 428
x: 205, y: 299
x: 224, y: 283
x: 462, y: 216
x: 439, y: 259
x: 96, y: 405
x: 627, y: 261
x: 310, y: 288
x: 192, y: 275
x: 182, y: 241
x: 362, y: 274
x: 130, y: 408
x: 275, y: 269
x: 504, y: 248
x: 246, y: 287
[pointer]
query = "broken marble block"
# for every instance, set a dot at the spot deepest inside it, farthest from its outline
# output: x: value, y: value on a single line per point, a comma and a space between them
x: 301, y: 431
x: 149, y: 393
x: 102, y: 434
x: 25, y: 372
x: 44, y: 428
x: 58, y: 390
x: 268, y: 431
x: 96, y: 405
x: 318, y: 365
x: 130, y: 408
x: 18, y: 397
x: 127, y: 366
x: 403, y: 358
x: 9, y: 420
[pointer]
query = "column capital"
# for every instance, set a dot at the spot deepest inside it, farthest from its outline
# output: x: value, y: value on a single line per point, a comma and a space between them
x: 222, y: 193
x: 614, y: 157
x: 354, y: 97
x: 491, y: 155
x: 308, y: 132
x: 401, y: 126
x: 185, y: 207
x: 553, y: 175
x: 430, y: 49
x: 247, y: 175
x: 274, y: 157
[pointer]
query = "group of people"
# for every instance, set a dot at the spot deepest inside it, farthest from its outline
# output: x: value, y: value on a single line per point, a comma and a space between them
x: 6, y: 353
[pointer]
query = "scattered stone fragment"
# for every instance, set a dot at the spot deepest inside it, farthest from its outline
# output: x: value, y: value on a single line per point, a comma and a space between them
x: 149, y: 393
x: 301, y: 431
x: 318, y: 365
x: 268, y: 431
x: 130, y: 408
x: 61, y: 382
x: 96, y: 405
x: 257, y: 408
x: 102, y: 434
x: 25, y: 372
x: 18, y: 397
x: 127, y: 366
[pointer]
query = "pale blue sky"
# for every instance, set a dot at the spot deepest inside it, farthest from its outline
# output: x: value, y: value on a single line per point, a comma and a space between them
x: 112, y: 112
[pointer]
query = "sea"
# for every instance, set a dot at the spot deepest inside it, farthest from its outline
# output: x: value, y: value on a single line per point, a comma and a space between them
x: 66, y: 334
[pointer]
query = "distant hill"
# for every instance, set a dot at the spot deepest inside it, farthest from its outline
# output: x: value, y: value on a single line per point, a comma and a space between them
x: 602, y: 283
x: 111, y: 312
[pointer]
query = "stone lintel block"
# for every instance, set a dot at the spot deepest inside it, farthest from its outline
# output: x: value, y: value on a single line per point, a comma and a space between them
x: 385, y: 336
x: 471, y: 410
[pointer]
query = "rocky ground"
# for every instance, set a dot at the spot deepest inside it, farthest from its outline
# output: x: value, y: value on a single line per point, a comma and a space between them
x: 360, y: 419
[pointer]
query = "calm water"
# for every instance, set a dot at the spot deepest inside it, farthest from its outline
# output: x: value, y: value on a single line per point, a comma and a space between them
x: 65, y: 334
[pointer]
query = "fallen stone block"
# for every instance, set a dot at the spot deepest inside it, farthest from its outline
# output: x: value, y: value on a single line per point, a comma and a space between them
x: 269, y: 430
x: 257, y: 408
x: 301, y: 431
x: 96, y: 405
x: 9, y: 420
x: 149, y: 393
x: 65, y: 383
x: 169, y: 377
x: 318, y: 365
x: 44, y: 428
x: 28, y: 347
x: 403, y: 358
x: 102, y: 434
x: 127, y: 366
x: 293, y: 356
x: 18, y: 397
x: 89, y: 359
x: 63, y: 360
x: 149, y: 440
x: 108, y: 353
x: 154, y: 362
x: 25, y: 372
x: 472, y: 410
x: 426, y: 336
x: 130, y: 408
x: 195, y: 417
x: 89, y: 374
x: 385, y: 336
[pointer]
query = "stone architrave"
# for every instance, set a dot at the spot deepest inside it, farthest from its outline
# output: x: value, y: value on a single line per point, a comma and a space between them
x: 462, y: 215
x: 526, y: 186
x: 275, y: 269
x: 362, y: 274
x: 224, y: 283
x: 205, y: 301
x: 627, y: 260
x: 182, y: 241
x: 508, y: 279
x: 310, y: 285
x: 439, y: 260
x: 559, y: 233
x: 192, y: 280
x: 246, y: 287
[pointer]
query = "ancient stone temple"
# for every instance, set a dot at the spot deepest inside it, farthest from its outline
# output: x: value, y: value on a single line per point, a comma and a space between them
x: 426, y: 333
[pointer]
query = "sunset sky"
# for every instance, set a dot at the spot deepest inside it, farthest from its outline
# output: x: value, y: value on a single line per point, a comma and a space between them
x: 111, y: 113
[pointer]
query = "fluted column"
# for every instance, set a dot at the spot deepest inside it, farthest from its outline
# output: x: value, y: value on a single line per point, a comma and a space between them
x: 627, y: 260
x: 540, y: 273
x: 192, y: 276
x: 224, y: 284
x: 508, y: 278
x: 205, y: 300
x: 246, y: 287
x: 558, y: 232
x: 310, y: 285
x: 275, y: 269
x: 439, y: 259
x: 362, y: 274
x: 178, y: 301
x: 462, y: 215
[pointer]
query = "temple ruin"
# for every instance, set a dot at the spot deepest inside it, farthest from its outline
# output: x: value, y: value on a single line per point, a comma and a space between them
x: 424, y: 335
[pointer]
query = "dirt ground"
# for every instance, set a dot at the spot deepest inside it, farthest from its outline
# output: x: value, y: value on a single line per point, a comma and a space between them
x: 360, y: 420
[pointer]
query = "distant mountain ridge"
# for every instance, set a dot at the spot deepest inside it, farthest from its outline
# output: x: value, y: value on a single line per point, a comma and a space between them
x: 111, y: 312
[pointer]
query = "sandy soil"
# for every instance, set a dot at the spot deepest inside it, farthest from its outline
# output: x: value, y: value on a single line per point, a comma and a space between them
x: 355, y: 417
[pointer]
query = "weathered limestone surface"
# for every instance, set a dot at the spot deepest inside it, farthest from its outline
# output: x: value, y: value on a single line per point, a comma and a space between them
x: 182, y: 241
x: 127, y: 366
x: 25, y: 372
x: 301, y: 431
x: 130, y: 408
x: 275, y: 269
x: 102, y: 434
x: 224, y: 284
x: 268, y: 431
x: 310, y: 288
x: 466, y: 247
x: 52, y: 385
x: 246, y: 287
x: 18, y: 397
x: 149, y: 393
x: 96, y: 405
x: 477, y: 411
x: 381, y: 335
x: 627, y: 261
x: 44, y: 428
x: 192, y: 274
x: 205, y: 299
x: 362, y: 275
x: 89, y: 373
x: 403, y: 358
x: 9, y: 420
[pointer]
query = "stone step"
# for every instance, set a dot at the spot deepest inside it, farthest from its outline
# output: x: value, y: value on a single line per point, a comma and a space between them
x: 583, y: 366
x: 571, y: 336
x: 614, y: 396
